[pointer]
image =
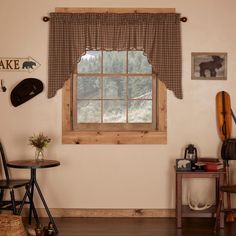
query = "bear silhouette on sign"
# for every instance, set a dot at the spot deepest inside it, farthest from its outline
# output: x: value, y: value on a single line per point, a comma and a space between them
x: 28, y: 65
x: 212, y: 66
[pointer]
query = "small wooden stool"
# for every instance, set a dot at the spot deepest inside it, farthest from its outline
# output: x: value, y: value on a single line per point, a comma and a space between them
x: 11, y: 225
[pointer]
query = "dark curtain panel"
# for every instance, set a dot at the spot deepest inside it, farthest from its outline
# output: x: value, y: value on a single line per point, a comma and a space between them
x: 158, y: 35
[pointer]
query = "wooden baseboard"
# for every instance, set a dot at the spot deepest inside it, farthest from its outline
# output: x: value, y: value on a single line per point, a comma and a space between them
x: 72, y: 212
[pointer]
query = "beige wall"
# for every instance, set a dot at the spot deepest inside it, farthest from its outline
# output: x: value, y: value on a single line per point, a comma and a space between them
x: 114, y: 176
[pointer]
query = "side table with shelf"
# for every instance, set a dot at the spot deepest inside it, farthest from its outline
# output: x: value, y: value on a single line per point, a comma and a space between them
x: 185, y: 211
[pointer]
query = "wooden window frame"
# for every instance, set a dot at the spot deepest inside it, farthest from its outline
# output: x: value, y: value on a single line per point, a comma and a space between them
x: 70, y: 136
x: 115, y: 126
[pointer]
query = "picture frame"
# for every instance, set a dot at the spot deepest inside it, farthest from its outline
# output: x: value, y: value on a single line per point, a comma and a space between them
x: 183, y: 164
x: 209, y: 65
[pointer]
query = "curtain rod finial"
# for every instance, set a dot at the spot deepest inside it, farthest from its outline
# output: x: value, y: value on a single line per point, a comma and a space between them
x: 183, y: 19
x: 46, y: 19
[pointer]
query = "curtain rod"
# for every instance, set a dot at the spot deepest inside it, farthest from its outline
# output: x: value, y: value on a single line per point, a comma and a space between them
x: 183, y: 19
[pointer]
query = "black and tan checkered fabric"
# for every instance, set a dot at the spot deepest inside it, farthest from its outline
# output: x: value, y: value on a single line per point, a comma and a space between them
x: 157, y: 34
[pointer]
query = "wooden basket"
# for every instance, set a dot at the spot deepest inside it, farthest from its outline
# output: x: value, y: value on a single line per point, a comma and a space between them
x: 11, y: 225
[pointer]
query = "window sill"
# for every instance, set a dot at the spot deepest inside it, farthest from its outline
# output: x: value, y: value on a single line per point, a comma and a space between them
x: 137, y: 137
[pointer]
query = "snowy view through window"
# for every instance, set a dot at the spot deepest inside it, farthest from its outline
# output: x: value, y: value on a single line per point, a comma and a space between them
x: 114, y: 87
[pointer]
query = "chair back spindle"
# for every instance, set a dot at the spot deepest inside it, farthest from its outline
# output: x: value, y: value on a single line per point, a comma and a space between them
x: 4, y: 162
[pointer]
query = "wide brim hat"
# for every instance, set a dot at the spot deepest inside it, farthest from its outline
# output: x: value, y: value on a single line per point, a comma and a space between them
x: 25, y: 90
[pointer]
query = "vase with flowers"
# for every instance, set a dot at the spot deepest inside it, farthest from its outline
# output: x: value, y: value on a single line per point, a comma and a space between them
x: 39, y: 141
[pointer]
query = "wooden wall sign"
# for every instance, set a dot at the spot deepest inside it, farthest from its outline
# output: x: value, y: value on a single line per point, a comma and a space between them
x: 27, y: 64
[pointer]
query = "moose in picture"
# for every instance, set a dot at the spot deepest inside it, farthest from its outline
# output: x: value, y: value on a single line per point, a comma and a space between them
x: 209, y: 66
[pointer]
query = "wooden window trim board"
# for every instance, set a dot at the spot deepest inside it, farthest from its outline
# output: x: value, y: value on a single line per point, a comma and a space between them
x: 112, y: 137
x: 113, y: 10
x: 127, y: 137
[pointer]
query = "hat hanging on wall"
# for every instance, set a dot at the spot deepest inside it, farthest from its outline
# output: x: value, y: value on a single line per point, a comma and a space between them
x: 25, y: 90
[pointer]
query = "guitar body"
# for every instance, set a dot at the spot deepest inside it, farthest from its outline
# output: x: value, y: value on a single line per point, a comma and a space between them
x: 223, y: 115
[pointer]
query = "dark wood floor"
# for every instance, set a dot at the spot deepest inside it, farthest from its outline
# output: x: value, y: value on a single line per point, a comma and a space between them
x: 139, y: 227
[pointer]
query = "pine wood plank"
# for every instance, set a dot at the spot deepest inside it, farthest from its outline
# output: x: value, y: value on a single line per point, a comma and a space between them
x: 113, y: 10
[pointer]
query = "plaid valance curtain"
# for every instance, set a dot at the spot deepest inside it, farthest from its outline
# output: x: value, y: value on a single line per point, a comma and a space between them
x: 158, y: 35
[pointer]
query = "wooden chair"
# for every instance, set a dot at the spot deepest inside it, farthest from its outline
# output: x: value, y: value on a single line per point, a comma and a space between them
x: 228, y: 153
x: 9, y: 184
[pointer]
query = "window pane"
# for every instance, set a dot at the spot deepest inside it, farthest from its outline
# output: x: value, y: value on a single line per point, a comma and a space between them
x: 88, y: 87
x: 114, y: 87
x: 140, y: 111
x: 114, y: 62
x: 114, y: 111
x: 90, y: 62
x: 138, y: 63
x: 140, y: 87
x: 89, y: 111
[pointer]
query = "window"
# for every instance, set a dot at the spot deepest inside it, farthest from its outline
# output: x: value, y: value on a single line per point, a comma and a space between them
x: 114, y: 97
x: 114, y: 90
x: 120, y: 104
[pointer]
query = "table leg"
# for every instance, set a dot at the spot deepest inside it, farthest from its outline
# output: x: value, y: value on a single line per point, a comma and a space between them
x: 178, y: 200
x: 221, y: 182
x: 28, y: 194
x: 45, y: 206
x: 34, y: 211
x: 33, y: 177
x: 217, y: 190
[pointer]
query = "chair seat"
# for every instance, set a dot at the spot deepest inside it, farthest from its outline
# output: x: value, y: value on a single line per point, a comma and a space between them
x: 4, y: 184
x: 228, y: 188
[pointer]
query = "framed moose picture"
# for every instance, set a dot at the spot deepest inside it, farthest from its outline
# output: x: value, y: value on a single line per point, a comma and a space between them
x: 209, y: 66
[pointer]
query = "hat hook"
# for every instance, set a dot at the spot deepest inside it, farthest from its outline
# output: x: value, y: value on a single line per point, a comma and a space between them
x: 4, y: 89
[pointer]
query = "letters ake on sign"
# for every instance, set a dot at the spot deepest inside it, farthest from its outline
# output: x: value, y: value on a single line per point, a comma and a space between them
x: 27, y: 64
